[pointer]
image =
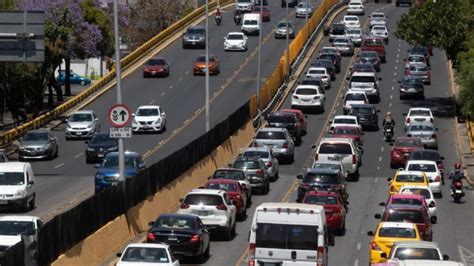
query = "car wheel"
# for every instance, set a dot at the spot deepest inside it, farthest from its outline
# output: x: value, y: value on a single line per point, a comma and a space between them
x: 56, y: 154
x: 267, y: 189
x: 83, y: 83
x: 277, y: 175
x: 32, y: 204
x: 249, y: 200
x: 243, y: 215
x: 24, y: 205
x: 342, y: 231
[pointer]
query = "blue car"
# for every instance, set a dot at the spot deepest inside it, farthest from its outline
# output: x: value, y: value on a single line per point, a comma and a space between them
x: 73, y: 78
x: 108, y: 173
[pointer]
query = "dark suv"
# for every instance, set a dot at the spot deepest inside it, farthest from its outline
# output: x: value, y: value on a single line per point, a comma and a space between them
x: 411, y: 87
x: 291, y: 3
x: 322, y: 179
x: 337, y: 30
x: 289, y: 121
x: 255, y: 169
x: 327, y: 64
x: 336, y: 60
x: 366, y: 115
x: 194, y: 37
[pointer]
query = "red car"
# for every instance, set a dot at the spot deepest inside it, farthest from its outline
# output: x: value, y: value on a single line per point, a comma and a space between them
x: 348, y: 132
x: 300, y: 116
x: 156, y: 67
x: 333, y: 207
x: 234, y: 190
x: 401, y: 150
x: 265, y: 12
x: 406, y: 199
x: 374, y: 44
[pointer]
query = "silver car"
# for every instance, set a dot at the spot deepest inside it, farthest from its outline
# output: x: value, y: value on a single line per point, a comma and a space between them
x: 344, y: 45
x: 266, y: 154
x: 301, y: 10
x: 335, y: 165
x: 279, y: 140
x: 419, y: 70
x: 82, y: 124
x: 355, y: 35
x: 377, y: 18
x: 38, y: 144
x: 281, y: 31
x: 425, y: 131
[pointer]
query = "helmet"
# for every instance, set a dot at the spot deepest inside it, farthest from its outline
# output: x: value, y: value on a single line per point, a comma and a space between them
x: 457, y: 167
x: 388, y: 114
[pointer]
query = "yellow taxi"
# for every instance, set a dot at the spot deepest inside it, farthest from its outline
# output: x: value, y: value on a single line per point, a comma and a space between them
x: 386, y: 234
x: 406, y: 178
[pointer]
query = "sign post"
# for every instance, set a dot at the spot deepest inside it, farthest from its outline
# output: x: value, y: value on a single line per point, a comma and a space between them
x: 119, y: 117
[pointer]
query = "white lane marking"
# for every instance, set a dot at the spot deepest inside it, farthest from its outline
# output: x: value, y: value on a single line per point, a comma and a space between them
x: 398, y: 50
x: 356, y: 262
x: 396, y: 61
x: 398, y: 55
x: 466, y: 255
x: 78, y: 155
x: 180, y: 78
x: 359, y: 245
x: 171, y: 86
x: 393, y: 87
x: 59, y: 165
x: 390, y: 105
x: 378, y: 167
x: 399, y: 43
x: 391, y: 96
x: 380, y: 158
x: 152, y: 101
x: 163, y: 94
x: 396, y: 67
x: 395, y: 73
x: 362, y: 232
x: 376, y: 180
x: 381, y: 149
x: 187, y: 72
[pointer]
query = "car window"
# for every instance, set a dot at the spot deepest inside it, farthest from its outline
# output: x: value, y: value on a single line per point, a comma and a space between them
x: 337, y: 148
x: 405, y: 253
x: 406, y: 201
x: 246, y: 165
x: 354, y: 31
x: 421, y: 128
x: 355, y: 97
x: 397, y: 232
x: 419, y: 113
x: 175, y: 222
x: 224, y: 174
x: 327, y: 166
x: 281, y: 119
x: 112, y: 162
x: 409, y: 178
x: 344, y: 121
x: 12, y: 179
x: 260, y: 154
x: 425, y: 155
x: 418, y: 191
x: 306, y: 91
x: 317, y: 71
x: 222, y: 186
x: 413, y: 216
x: 148, y: 112
x: 362, y: 111
x: 235, y: 37
x: 144, y: 254
x: 321, y: 178
x: 286, y: 236
x: 36, y: 136
x: 81, y: 118
x: 17, y: 228
x: 362, y: 79
x: 345, y: 131
x: 320, y: 200
x: 203, y: 199
x: 270, y: 135
x: 422, y: 167
x: 195, y: 31
x: 156, y: 62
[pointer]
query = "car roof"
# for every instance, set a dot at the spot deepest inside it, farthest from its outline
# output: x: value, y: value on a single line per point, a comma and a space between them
x: 83, y: 112
x: 336, y: 140
x: 406, y: 196
x: 223, y: 181
x: 248, y: 159
x: 322, y: 171
x: 23, y: 218
x: 236, y: 32
x: 346, y: 126
x: 13, y: 166
x: 405, y: 207
x: 307, y: 86
x: 345, y: 116
x: 403, y: 172
x: 420, y: 244
x: 364, y: 74
x: 396, y: 225
x: 291, y: 111
x: 188, y: 216
x: 146, y: 245
x: 274, y: 205
x: 148, y: 107
x: 419, y: 109
x: 421, y: 162
x: 263, y: 148
x: 322, y: 193
x: 197, y: 27
x: 127, y: 153
x: 205, y: 191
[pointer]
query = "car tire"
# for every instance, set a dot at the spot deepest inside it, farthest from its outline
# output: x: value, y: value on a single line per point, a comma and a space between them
x: 243, y: 215
x: 32, y: 203
x: 267, y: 188
x: 24, y: 205
x: 249, y: 201
x: 277, y: 176
x: 83, y: 83
x: 233, y: 231
x: 342, y: 231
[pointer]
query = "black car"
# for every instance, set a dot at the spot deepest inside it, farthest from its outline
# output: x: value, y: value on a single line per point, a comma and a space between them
x: 366, y: 115
x: 291, y: 3
x: 322, y: 179
x: 421, y: 51
x: 411, y: 86
x: 328, y: 64
x: 362, y: 67
x: 337, y: 30
x: 185, y: 234
x: 334, y: 58
x: 313, y: 81
x: 99, y: 145
x: 289, y: 121
x: 194, y: 37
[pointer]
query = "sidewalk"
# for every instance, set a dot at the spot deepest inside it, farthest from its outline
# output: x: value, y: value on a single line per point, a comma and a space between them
x: 464, y: 147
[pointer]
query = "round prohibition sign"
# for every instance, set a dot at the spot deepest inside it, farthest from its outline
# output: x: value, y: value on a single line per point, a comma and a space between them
x: 119, y: 115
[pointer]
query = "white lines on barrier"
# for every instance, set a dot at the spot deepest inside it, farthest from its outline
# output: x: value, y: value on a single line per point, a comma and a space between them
x: 394, y: 73
x: 59, y: 165
x: 380, y: 158
x: 362, y: 232
x: 356, y: 262
x: 398, y: 55
x: 163, y: 93
x: 152, y: 101
x: 396, y: 61
x: 78, y: 155
x: 378, y: 167
x: 398, y: 50
x: 359, y: 245
x: 382, y: 149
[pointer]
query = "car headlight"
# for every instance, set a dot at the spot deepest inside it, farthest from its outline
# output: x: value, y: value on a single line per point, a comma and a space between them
x: 134, y: 121
x: 158, y: 121
x: 22, y: 148
x: 90, y: 149
x: 20, y: 193
x: 68, y: 126
x: 45, y: 147
x: 99, y: 176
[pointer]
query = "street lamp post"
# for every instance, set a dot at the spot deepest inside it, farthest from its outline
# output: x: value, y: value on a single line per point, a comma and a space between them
x: 287, y: 45
x: 207, y: 67
x: 260, y: 32
x: 306, y: 14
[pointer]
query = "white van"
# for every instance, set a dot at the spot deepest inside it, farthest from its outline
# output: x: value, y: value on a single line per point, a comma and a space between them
x: 17, y: 187
x: 289, y: 234
x: 251, y: 24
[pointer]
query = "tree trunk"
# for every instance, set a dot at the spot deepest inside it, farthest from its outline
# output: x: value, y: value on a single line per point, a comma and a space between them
x: 50, y: 96
x: 101, y: 59
x: 67, y: 81
x: 57, y: 89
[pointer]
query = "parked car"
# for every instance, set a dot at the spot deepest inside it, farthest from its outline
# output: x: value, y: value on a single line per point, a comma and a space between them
x: 73, y: 78
x: 149, y: 118
x: 256, y: 171
x: 235, y: 41
x: 366, y: 116
x: 411, y: 87
x: 418, y: 114
x: 98, y: 147
x: 38, y: 144
x: 334, y: 208
x: 279, y: 140
x: 322, y: 179
x: 199, y: 65
x: 425, y: 131
x: 283, y: 30
x: 194, y: 37
x: 430, y: 168
x: 308, y: 97
x: 237, y: 175
x: 156, y: 67
x: 235, y: 192
x: 289, y: 121
x: 401, y: 150
x: 146, y: 253
x: 266, y: 154
x: 82, y: 124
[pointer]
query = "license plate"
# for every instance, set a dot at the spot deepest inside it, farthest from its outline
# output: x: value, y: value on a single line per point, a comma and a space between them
x: 100, y: 155
x: 407, y: 154
x: 153, y: 72
x: 202, y: 213
x: 3, y: 202
x: 332, y: 158
x: 172, y: 238
x: 458, y: 191
x: 419, y: 119
x: 79, y: 133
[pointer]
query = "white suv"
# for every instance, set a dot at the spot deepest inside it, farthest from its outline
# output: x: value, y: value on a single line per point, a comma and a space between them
x: 321, y: 73
x: 353, y: 97
x: 213, y: 207
x: 149, y: 118
x: 343, y: 150
x: 308, y: 96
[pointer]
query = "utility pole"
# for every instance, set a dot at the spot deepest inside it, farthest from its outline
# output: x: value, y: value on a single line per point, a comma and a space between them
x: 208, y: 126
x: 260, y: 32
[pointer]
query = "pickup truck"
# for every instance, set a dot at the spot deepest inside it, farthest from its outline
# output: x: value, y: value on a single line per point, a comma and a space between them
x: 374, y: 44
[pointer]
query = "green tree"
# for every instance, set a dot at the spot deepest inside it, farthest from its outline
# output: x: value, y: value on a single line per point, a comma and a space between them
x: 466, y: 77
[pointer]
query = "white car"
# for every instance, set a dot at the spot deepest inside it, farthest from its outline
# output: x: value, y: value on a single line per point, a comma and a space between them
x: 149, y: 118
x: 301, y: 10
x: 308, y: 96
x: 426, y: 193
x: 321, y: 73
x: 418, y: 114
x: 344, y: 45
x: 380, y: 31
x: 147, y: 254
x: 355, y: 35
x: 345, y: 120
x: 353, y: 97
x: 235, y: 41
x: 351, y: 21
x: 377, y: 18
x: 431, y: 170
x: 355, y: 8
x: 214, y: 208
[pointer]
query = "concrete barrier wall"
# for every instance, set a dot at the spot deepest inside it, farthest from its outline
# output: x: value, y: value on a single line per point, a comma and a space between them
x: 99, y: 246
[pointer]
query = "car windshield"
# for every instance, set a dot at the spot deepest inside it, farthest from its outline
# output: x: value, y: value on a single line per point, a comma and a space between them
x: 344, y: 121
x: 229, y: 174
x: 282, y: 24
x: 259, y: 154
x: 407, y: 143
x: 222, y: 186
x: 36, y: 136
x: 430, y: 168
x: 144, y: 254
x: 362, y: 79
x: 312, y: 81
x: 407, y: 201
x: 194, y: 31
x: 354, y: 31
x: 351, y: 19
x: 112, y: 162
x: 412, y: 80
x: 202, y: 59
x: 320, y: 200
x: 362, y: 111
x: 327, y: 166
x: 287, y: 236
x: 203, y: 199
x: 417, y: 191
x: 419, y: 113
x: 17, y: 228
x: 337, y: 148
x: 317, y: 71
x: 321, y: 178
x: 368, y: 54
x: 421, y: 128
x: 281, y: 119
x: 243, y: 1
x: 406, y: 253
x: 156, y: 62
x: 397, y: 232
x: 373, y: 42
x: 175, y: 222
x: 301, y: 4
x: 425, y: 155
x: 378, y: 16
x: 306, y: 91
x: 251, y: 22
x: 148, y: 112
x: 345, y: 131
x: 101, y: 138
x: 246, y: 165
x: 338, y: 30
x: 12, y: 179
x: 355, y: 97
x: 235, y: 37
x: 80, y: 118
x: 363, y: 68
x: 413, y: 216
x: 257, y: 8
x: 270, y: 135
x: 341, y: 41
x: 409, y: 178
x: 382, y: 28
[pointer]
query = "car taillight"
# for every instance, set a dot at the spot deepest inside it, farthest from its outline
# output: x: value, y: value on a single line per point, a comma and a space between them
x: 458, y: 185
x: 269, y: 164
x: 408, y: 135
x: 432, y: 204
x: 374, y: 246
x: 150, y: 237
x: 408, y: 120
x: 184, y: 206
x: 438, y: 178
x: 295, y: 97
x: 295, y: 125
x: 195, y: 238
x: 285, y: 145
x: 252, y: 254
x: 433, y: 136
x: 259, y: 172
x: 316, y: 157
x: 221, y: 207
x: 354, y: 159
x: 320, y: 254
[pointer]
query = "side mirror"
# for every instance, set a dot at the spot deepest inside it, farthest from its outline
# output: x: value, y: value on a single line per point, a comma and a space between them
x: 313, y: 146
x: 141, y: 166
x: 347, y: 78
x: 31, y: 182
x: 370, y: 233
x: 163, y: 114
x: 434, y: 219
x: 66, y: 120
x: 96, y: 119
x: 399, y: 82
x: 436, y: 129
x: 404, y: 59
x: 442, y: 158
x: 119, y: 254
x: 97, y: 165
x: 305, y: 116
x: 299, y: 177
x: 133, y: 115
x: 151, y: 223
x: 383, y: 255
x: 382, y: 204
x: 201, y: 187
x: 225, y: 38
x: 229, y: 165
x: 181, y: 200
x: 430, y: 181
x: 378, y: 216
x: 389, y: 179
x: 445, y: 257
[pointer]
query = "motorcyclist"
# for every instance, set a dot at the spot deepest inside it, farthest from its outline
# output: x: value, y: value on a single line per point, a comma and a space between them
x: 218, y: 16
x: 457, y: 175
x: 237, y: 16
x: 388, y: 122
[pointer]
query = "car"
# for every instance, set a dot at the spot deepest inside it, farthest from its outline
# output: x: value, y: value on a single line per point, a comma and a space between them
x: 334, y: 208
x: 74, y: 78
x: 234, y: 174
x: 149, y: 118
x: 214, y: 208
x: 302, y: 11
x: 347, y: 151
x: 82, y: 124
x: 290, y: 3
x: 99, y: 145
x: 284, y: 29
x: 426, y: 132
x: 430, y: 168
x: 380, y: 31
x: 407, y: 199
x: 374, y: 44
x: 353, y: 97
x: 194, y: 37
x: 347, y: 132
x: 335, y: 165
x: 308, y: 97
x: 235, y: 192
x: 344, y: 45
x: 366, y: 82
x: 328, y: 64
x: 402, y: 178
x: 426, y: 193
x: 411, y: 87
x: 256, y: 171
x: 27, y: 227
x: 266, y: 154
x: 322, y: 179
x: 346, y: 120
x: 289, y: 121
x: 266, y: 14
x: 366, y: 116
x: 156, y: 67
x: 403, y: 2
x: 413, y: 59
x: 146, y: 253
x: 244, y: 5
x: 362, y: 67
x: 235, y: 41
x: 279, y: 140
x: 322, y: 73
x: 409, y: 213
x: 418, y: 114
x: 370, y: 57
x: 337, y: 30
x: 351, y: 21
x: 108, y: 171
x: 415, y: 251
x: 355, y: 35
x: 419, y: 70
x: 421, y: 50
x: 38, y: 144
x: 251, y: 24
x: 186, y: 235
x: 388, y: 233
x: 401, y: 150
x: 377, y: 18
x: 17, y: 186
x: 430, y: 155
x: 334, y: 57
x: 355, y: 8
x: 330, y: 50
x: 301, y: 117
x: 199, y: 65
x: 312, y: 81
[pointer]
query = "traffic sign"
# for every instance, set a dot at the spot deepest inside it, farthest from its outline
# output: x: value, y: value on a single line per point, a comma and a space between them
x: 119, y: 115
x: 120, y: 132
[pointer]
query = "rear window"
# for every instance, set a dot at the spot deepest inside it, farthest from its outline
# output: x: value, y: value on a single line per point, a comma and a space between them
x: 362, y: 111
x: 327, y: 166
x: 407, y: 143
x: 417, y: 191
x: 281, y: 119
x: 409, y: 178
x: 373, y: 42
x: 421, y: 128
x: 306, y: 91
x: 320, y: 200
x: 338, y: 148
x: 317, y: 71
x: 246, y: 165
x: 405, y: 253
x: 344, y: 121
x: 286, y: 236
x: 422, y: 155
x: 359, y: 79
x: 418, y: 68
x: 355, y: 97
x: 259, y: 154
x: 224, y: 174
x: 419, y: 113
x: 407, y: 201
x: 270, y: 135
x: 322, y: 178
x: 422, y: 167
x: 397, y: 232
x: 413, y: 216
x: 345, y: 131
x: 222, y: 186
x: 201, y: 199
x: 316, y: 82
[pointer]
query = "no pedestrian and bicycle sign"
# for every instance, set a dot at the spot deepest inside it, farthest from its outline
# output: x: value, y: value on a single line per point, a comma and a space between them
x: 119, y: 115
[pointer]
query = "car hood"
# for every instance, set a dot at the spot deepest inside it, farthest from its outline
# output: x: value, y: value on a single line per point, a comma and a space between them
x: 33, y: 143
x: 155, y: 67
x: 203, y: 64
x: 11, y: 189
x: 194, y: 36
x: 146, y: 118
x: 79, y: 124
x: 102, y: 145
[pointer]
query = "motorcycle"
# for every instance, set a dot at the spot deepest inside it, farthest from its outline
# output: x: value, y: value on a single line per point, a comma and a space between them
x: 237, y: 19
x: 218, y: 20
x: 457, y: 193
x: 388, y: 133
